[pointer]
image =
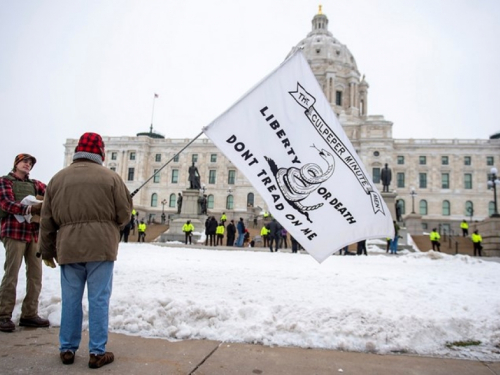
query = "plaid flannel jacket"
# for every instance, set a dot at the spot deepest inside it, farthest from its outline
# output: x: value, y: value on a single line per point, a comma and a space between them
x: 10, y: 227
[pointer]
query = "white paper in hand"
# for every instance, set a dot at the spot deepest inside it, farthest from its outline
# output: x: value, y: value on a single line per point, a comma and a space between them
x: 29, y: 200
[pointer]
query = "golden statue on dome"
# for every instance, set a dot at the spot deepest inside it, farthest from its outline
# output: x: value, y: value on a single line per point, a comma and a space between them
x: 320, y: 11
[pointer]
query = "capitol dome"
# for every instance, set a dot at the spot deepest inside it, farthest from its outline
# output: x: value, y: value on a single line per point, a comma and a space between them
x: 335, y: 69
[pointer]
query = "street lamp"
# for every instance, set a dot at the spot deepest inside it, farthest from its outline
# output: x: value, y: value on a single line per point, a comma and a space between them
x: 413, y: 193
x: 203, y: 188
x: 163, y: 203
x: 492, y: 183
x: 470, y: 210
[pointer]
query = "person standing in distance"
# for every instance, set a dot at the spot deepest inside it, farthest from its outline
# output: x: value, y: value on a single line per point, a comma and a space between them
x: 231, y: 233
x: 141, y: 229
x: 188, y: 230
x: 240, y: 227
x: 20, y: 241
x: 85, y: 207
x: 435, y: 237
x: 477, y: 243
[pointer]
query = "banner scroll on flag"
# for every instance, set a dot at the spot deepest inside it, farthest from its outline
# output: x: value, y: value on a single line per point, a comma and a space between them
x: 285, y: 138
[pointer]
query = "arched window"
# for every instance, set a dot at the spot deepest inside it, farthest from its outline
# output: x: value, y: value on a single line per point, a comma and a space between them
x: 469, y: 209
x: 446, y: 208
x: 422, y: 207
x: 491, y: 208
x: 250, y: 200
x: 172, y: 200
x: 154, y: 200
x: 402, y: 206
x: 210, y: 201
x: 229, y: 202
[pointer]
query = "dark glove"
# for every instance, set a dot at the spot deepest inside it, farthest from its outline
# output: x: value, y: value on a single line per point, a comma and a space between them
x: 36, y: 209
x: 50, y: 263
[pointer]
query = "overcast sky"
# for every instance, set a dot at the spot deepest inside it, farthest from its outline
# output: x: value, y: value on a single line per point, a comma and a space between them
x: 67, y: 67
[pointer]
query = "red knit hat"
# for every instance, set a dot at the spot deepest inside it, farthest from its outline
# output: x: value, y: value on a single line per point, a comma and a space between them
x: 91, y: 142
x: 22, y: 157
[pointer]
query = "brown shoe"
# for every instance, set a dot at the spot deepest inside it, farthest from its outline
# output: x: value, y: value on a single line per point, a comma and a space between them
x: 7, y: 325
x: 67, y: 357
x: 34, y: 322
x: 100, y: 360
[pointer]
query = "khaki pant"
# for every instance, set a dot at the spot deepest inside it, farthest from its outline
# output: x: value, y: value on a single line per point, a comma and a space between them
x: 15, y: 251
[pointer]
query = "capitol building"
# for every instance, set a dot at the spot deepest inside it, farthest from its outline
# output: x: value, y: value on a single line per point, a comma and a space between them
x: 443, y: 180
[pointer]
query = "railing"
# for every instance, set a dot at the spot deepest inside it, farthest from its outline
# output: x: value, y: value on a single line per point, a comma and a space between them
x: 451, y: 239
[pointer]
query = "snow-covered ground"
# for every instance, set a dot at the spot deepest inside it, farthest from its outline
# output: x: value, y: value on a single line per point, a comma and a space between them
x: 414, y: 302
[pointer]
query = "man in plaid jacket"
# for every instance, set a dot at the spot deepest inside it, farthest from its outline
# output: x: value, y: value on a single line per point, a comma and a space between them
x: 20, y: 241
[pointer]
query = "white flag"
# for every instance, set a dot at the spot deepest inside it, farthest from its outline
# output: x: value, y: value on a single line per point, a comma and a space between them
x: 285, y: 138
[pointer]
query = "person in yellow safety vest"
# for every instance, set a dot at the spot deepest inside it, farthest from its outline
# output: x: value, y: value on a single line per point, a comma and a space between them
x: 264, y: 233
x: 223, y: 218
x: 188, y: 229
x: 141, y: 228
x: 465, y: 228
x: 266, y: 215
x: 220, y: 233
x: 435, y: 237
x: 476, y: 242
x: 134, y: 212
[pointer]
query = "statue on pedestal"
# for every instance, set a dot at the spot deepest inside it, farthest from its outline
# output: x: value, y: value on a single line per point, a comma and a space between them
x: 386, y: 177
x: 194, y: 177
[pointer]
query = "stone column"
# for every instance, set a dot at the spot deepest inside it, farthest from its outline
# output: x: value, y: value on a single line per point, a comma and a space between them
x: 390, y: 199
x: 489, y: 229
x: 413, y: 224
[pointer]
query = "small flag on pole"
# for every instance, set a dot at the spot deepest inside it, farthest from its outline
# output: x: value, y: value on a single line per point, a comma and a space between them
x: 285, y: 138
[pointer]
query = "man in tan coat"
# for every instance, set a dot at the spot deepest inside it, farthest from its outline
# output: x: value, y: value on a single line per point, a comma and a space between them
x: 85, y: 207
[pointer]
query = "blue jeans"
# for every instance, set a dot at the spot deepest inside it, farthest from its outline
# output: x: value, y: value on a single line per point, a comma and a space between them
x: 394, y: 245
x: 239, y: 241
x: 99, y: 279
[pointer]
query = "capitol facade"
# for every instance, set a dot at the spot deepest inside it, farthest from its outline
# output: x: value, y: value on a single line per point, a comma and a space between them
x: 443, y: 180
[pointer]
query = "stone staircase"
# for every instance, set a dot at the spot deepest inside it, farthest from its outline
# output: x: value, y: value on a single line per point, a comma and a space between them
x: 449, y: 244
x: 153, y: 231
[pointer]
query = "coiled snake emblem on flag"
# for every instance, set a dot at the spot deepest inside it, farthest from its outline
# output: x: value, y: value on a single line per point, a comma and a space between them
x: 297, y: 184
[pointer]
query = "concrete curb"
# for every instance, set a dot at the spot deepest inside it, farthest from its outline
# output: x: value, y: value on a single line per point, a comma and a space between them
x: 35, y: 351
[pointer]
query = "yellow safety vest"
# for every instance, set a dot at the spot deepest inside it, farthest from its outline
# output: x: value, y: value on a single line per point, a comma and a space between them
x: 476, y: 238
x: 188, y: 228
x: 435, y: 236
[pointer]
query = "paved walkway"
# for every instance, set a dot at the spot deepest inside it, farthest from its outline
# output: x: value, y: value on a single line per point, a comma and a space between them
x: 35, y: 351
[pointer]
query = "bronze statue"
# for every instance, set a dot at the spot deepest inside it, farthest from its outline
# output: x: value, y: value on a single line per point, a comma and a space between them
x: 179, y: 203
x: 203, y: 204
x: 398, y: 210
x: 194, y: 178
x: 386, y: 177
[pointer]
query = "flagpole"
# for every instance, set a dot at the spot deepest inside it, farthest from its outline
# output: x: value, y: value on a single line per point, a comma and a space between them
x: 159, y: 170
x: 153, y: 112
